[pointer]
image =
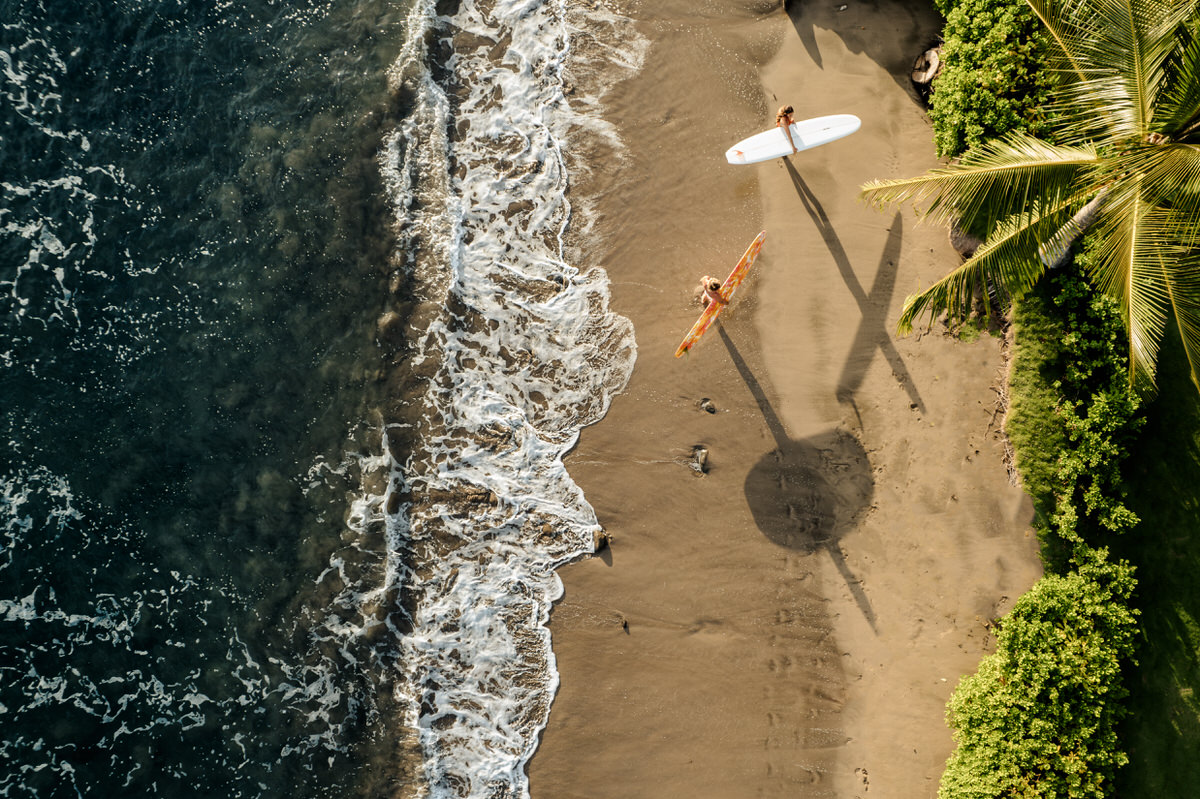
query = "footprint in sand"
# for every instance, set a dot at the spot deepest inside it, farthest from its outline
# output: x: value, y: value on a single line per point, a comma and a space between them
x: 861, y: 773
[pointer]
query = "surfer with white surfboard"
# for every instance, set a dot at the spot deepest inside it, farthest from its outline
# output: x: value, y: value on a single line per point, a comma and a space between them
x: 783, y: 119
x: 802, y: 135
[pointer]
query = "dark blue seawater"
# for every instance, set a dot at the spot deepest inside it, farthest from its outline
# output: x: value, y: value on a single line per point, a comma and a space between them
x: 194, y: 248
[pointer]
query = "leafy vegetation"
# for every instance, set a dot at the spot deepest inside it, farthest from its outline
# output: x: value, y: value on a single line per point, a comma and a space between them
x: 992, y: 81
x: 1163, y: 478
x: 1032, y: 426
x: 1072, y: 417
x: 1043, y: 716
x: 1123, y: 161
x: 1039, y: 718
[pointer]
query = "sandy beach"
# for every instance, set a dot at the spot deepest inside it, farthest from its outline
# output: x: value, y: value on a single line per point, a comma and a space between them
x: 792, y: 622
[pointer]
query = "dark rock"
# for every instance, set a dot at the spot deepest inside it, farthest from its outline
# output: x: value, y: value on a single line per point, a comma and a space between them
x: 963, y: 242
x: 600, y: 541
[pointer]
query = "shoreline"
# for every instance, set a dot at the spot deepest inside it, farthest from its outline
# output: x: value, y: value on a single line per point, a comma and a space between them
x: 798, y: 616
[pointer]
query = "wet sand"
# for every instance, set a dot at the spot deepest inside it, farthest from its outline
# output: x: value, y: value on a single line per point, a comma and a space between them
x: 792, y: 622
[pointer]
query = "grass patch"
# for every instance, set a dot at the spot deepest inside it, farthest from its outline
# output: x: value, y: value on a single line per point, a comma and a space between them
x: 1036, y: 433
x: 1162, y: 735
x: 969, y: 330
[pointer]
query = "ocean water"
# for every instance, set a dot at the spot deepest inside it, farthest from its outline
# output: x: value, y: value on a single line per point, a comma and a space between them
x: 300, y: 315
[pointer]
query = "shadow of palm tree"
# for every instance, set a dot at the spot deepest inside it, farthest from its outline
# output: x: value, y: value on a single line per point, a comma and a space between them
x: 805, y: 494
x: 857, y: 24
x: 872, y: 331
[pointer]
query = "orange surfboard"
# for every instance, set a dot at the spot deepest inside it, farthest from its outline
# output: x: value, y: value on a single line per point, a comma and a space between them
x: 727, y: 288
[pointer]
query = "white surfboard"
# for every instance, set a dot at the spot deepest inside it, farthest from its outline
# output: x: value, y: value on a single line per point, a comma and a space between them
x: 806, y: 134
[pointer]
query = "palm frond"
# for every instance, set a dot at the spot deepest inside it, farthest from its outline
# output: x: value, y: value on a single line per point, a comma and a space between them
x: 1122, y: 69
x: 1008, y: 260
x: 992, y: 182
x: 1057, y: 16
x: 1177, y: 115
x: 1098, y: 111
x: 1139, y: 39
x: 1164, y: 19
x: 1184, y: 285
x: 1117, y: 54
x: 1128, y: 153
x: 1131, y: 266
x: 1165, y: 175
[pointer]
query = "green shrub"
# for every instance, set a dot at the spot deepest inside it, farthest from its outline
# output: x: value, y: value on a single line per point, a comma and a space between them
x: 1097, y: 409
x: 992, y: 80
x: 945, y: 6
x: 1073, y: 418
x: 1039, y: 717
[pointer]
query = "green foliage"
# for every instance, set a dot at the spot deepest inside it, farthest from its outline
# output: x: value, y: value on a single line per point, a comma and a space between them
x: 993, y: 80
x: 1039, y: 718
x: 1073, y: 417
x: 1035, y: 430
x: 1098, y: 412
x: 1163, y: 476
x: 970, y: 329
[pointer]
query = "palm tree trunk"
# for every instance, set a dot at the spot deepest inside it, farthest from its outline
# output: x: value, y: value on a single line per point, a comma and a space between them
x: 1055, y: 252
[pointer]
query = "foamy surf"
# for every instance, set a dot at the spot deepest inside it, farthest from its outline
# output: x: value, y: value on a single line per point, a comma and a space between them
x: 513, y: 350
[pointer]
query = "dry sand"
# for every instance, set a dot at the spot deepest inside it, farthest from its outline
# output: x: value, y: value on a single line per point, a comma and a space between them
x: 792, y: 622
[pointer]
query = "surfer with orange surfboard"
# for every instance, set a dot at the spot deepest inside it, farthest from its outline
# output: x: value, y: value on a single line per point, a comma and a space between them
x: 710, y: 291
x: 723, y: 295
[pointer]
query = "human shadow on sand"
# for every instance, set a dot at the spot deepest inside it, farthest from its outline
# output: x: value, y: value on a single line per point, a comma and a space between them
x: 805, y: 495
x: 872, y: 330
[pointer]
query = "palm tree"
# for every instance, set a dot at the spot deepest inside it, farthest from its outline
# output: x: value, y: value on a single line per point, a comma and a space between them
x: 1125, y: 161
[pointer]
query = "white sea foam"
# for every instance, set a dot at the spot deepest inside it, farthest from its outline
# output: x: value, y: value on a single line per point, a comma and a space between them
x: 519, y: 350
